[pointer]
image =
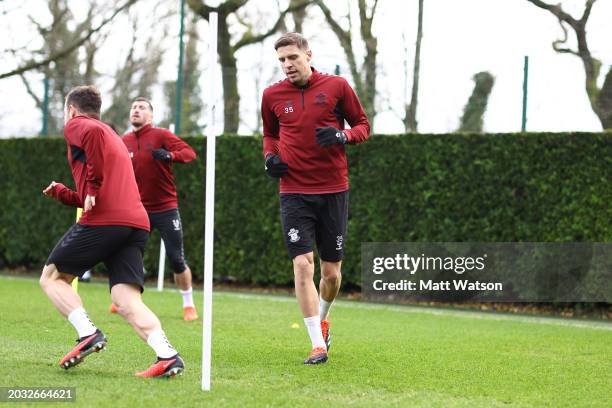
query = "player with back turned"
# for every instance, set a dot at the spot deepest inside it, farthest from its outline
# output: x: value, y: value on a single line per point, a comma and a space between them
x: 113, y: 229
x: 304, y: 146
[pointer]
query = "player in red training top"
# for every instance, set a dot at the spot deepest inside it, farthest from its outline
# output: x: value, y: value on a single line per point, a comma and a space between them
x: 304, y: 141
x: 153, y: 151
x: 113, y: 229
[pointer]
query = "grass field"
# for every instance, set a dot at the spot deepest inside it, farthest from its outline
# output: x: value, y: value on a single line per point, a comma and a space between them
x: 381, y: 355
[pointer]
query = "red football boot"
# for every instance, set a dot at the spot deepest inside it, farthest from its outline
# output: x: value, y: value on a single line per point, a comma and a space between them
x: 85, y: 346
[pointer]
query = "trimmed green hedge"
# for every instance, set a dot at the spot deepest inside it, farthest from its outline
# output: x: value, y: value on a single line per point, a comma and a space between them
x: 460, y: 187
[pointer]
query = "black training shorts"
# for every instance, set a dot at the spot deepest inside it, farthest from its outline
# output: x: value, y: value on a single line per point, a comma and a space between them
x: 315, y: 218
x: 169, y: 225
x: 120, y: 248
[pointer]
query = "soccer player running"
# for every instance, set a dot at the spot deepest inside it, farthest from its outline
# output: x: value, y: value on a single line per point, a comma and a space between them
x: 153, y: 151
x: 304, y: 138
x: 113, y: 229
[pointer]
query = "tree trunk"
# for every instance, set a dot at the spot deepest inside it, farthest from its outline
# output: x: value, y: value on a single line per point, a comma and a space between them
x: 365, y: 79
x: 604, y: 102
x: 474, y: 111
x: 298, y: 16
x: 369, y: 94
x: 410, y: 119
x: 369, y: 63
x: 229, y: 78
x: 227, y: 51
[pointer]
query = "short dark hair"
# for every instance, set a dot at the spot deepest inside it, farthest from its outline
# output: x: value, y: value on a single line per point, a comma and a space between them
x: 143, y: 99
x: 293, y: 38
x: 86, y: 99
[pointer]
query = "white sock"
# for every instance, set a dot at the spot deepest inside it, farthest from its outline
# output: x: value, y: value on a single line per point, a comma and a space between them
x: 81, y: 322
x: 187, y: 297
x: 324, y: 307
x: 313, y: 324
x: 159, y: 342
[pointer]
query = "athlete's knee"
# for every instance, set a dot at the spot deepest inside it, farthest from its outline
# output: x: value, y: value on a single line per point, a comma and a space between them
x: 179, y: 267
x: 126, y: 297
x: 45, y: 276
x: 333, y: 279
x: 303, y: 262
x: 177, y: 262
x: 125, y: 309
x: 303, y: 267
x: 330, y: 272
x: 50, y: 275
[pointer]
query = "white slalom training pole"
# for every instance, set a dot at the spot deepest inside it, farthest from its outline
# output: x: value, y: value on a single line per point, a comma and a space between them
x: 162, y: 266
x: 209, y: 222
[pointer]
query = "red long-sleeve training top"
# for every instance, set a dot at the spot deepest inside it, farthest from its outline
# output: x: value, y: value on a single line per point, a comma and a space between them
x: 154, y: 177
x: 101, y: 167
x: 290, y: 116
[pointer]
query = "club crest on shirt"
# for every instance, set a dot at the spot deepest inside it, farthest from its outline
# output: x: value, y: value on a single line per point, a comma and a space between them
x: 293, y: 235
x: 320, y: 98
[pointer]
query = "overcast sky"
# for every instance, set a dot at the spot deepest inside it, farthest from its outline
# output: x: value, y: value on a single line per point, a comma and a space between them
x: 460, y: 38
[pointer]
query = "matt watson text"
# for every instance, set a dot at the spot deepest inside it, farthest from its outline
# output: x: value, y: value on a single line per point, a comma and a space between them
x: 448, y: 285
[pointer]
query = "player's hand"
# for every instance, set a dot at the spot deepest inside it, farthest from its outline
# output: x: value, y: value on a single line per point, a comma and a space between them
x: 49, y: 190
x: 90, y: 203
x: 275, y: 167
x: 162, y: 154
x: 328, y: 136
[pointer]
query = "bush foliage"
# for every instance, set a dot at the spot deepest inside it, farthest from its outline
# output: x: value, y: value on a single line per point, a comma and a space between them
x: 427, y: 188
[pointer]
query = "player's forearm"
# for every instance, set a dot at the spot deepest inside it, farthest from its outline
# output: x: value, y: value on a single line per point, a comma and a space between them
x: 359, y: 133
x: 66, y: 196
x: 271, y: 126
x: 184, y: 155
x: 270, y: 145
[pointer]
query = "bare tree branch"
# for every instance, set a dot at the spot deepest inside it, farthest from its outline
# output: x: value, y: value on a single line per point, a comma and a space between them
x: 298, y: 17
x: 364, y: 75
x: 225, y: 8
x: 227, y: 49
x: 373, y: 10
x: 249, y: 38
x: 201, y: 9
x: 344, y: 36
x: 587, y: 11
x: 230, y: 6
x: 558, y: 42
x: 599, y: 98
x: 69, y: 49
x: 556, y: 10
x: 30, y: 91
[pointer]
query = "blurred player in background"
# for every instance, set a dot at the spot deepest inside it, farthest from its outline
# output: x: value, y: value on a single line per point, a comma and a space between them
x: 153, y: 152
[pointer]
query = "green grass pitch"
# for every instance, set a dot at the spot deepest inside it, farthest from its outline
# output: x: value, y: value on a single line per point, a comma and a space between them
x: 380, y: 356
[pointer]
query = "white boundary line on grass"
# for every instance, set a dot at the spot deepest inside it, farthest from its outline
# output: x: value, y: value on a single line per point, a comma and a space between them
x: 469, y: 314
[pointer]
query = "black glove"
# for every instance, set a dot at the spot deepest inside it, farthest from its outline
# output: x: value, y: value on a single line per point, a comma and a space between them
x: 275, y: 167
x: 328, y: 136
x: 162, y: 154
